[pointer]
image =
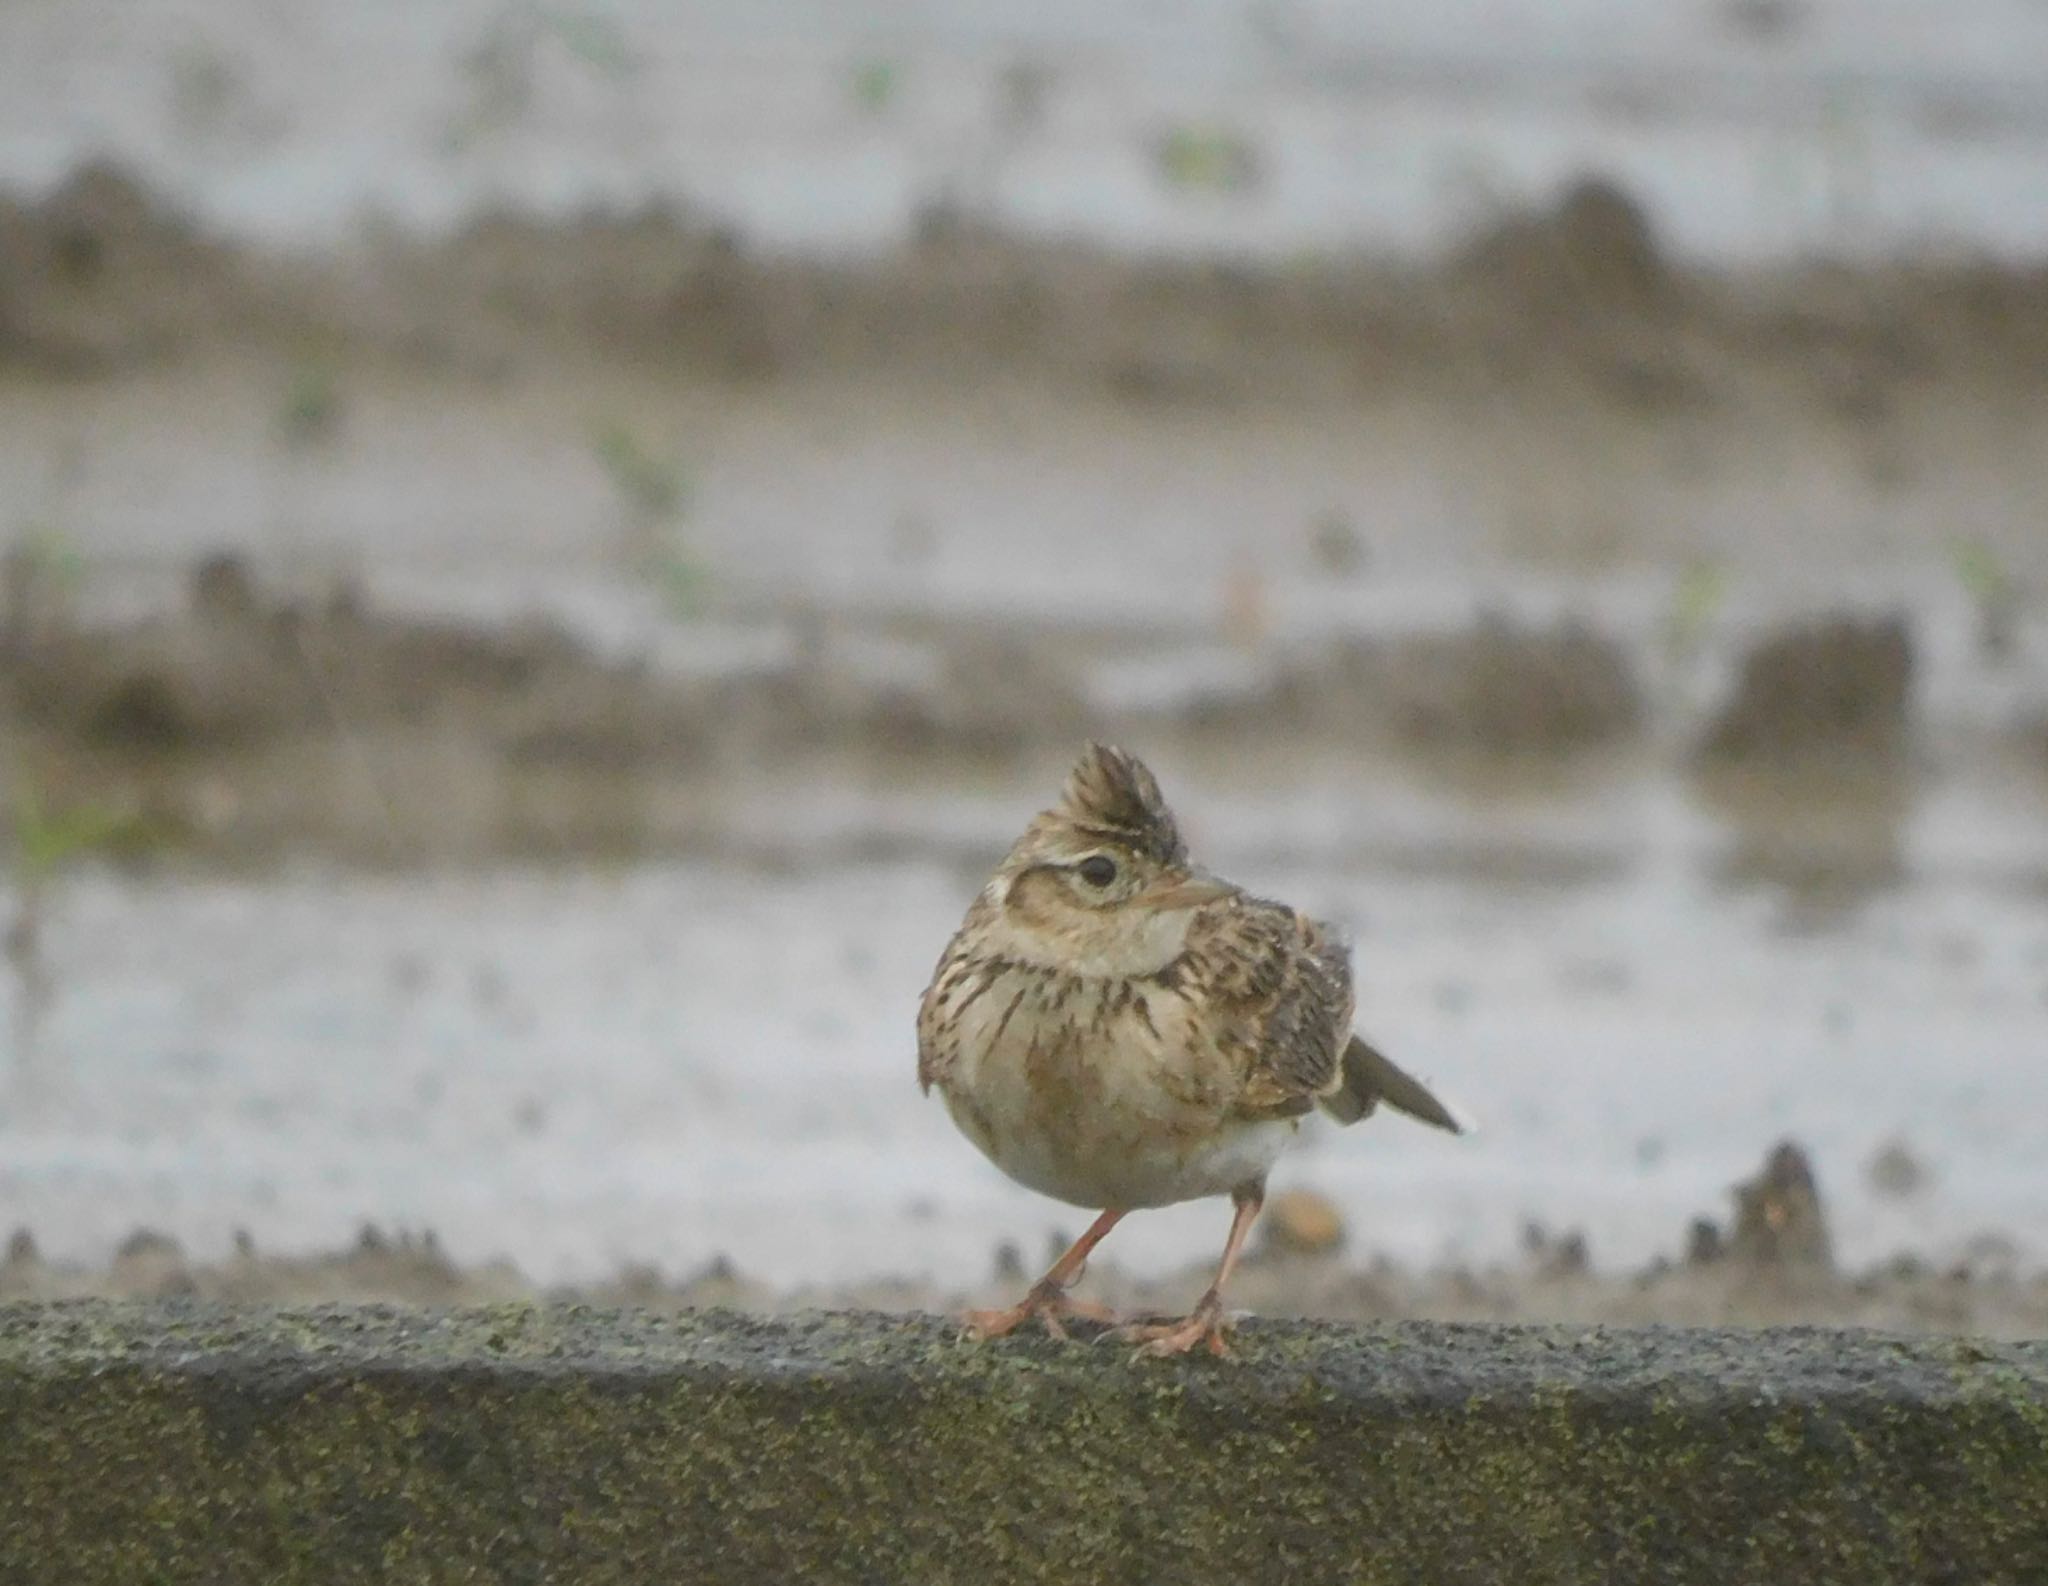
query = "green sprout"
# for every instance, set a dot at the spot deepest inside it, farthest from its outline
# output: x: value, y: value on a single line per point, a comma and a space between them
x: 597, y: 41
x: 654, y: 488
x: 46, y: 843
x: 501, y: 65
x: 40, y: 579
x: 1983, y: 576
x: 874, y: 85
x: 1214, y: 159
x: 681, y: 577
x: 1992, y: 590
x: 655, y: 492
x: 52, y: 558
x: 1698, y: 595
x: 311, y: 408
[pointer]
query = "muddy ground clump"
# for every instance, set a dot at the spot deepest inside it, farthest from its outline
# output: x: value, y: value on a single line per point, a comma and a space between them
x: 260, y: 703
x: 1284, y: 1276
x: 1497, y: 687
x: 1837, y: 685
x: 236, y: 668
x: 1771, y: 1265
x: 1779, y: 1219
x: 1508, y: 688
x: 102, y: 273
x: 249, y: 717
x: 237, y: 687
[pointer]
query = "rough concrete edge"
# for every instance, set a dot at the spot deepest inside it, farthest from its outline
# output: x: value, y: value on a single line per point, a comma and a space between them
x: 1403, y: 1360
x: 388, y: 1444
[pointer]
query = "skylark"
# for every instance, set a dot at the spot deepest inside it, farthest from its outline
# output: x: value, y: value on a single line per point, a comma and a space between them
x: 1118, y: 1029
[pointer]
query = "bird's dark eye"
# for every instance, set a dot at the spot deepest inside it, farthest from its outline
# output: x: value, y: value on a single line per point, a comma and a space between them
x: 1098, y: 870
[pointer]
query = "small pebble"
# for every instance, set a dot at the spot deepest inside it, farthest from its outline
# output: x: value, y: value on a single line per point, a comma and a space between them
x: 1302, y: 1222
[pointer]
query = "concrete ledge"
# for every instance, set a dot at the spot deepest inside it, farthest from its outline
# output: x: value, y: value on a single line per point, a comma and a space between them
x: 173, y: 1443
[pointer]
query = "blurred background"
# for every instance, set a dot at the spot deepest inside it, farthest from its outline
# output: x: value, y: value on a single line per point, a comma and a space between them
x: 548, y: 549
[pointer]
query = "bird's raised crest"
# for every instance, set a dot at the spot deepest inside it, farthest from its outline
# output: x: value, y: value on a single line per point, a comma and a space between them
x: 1111, y: 794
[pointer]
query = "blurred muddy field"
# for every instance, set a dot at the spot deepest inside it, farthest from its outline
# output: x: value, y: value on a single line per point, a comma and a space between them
x: 1718, y: 522
x: 496, y: 721
x: 1770, y: 1263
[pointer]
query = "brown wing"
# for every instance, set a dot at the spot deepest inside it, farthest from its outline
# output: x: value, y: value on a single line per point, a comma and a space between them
x: 933, y: 1056
x: 1278, y: 987
x: 954, y: 984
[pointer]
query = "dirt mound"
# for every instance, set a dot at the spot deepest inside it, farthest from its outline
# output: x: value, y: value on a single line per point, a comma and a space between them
x: 1774, y: 1269
x: 251, y: 721
x: 235, y: 669
x: 1595, y: 251
x: 1840, y: 684
x: 100, y: 275
x: 1509, y: 688
x: 238, y: 668
x: 1779, y: 1220
x: 1500, y: 686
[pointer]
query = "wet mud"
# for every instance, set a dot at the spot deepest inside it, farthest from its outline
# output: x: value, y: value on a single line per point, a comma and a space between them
x: 1513, y: 561
x: 1566, y: 414
x: 205, y: 715
x: 1840, y: 687
x: 1768, y: 1264
x: 102, y: 275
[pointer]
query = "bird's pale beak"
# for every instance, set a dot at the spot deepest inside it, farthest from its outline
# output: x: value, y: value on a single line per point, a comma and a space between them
x: 1190, y: 891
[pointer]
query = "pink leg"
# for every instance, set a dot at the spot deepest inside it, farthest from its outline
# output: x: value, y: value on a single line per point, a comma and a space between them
x: 1047, y: 1299
x: 1206, y: 1324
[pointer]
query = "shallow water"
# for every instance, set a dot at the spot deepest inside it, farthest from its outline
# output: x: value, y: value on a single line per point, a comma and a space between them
x: 673, y: 1063
x: 1019, y: 501
x: 1637, y: 985
x: 1853, y: 129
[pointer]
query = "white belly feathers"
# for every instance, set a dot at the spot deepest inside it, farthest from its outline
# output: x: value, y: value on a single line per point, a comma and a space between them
x: 1100, y: 1093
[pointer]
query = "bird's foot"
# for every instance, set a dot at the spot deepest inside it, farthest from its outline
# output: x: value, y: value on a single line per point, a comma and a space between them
x: 1205, y: 1326
x: 1051, y: 1305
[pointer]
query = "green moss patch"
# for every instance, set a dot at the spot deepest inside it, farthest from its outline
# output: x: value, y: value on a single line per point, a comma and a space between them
x: 172, y: 1443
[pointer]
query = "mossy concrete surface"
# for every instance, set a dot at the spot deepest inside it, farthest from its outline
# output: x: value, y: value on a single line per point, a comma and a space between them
x: 154, y: 1443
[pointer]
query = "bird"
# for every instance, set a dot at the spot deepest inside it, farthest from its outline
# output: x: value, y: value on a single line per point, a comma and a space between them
x: 1119, y: 1029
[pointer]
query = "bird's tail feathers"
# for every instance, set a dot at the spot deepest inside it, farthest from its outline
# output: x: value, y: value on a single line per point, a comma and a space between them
x: 1370, y: 1077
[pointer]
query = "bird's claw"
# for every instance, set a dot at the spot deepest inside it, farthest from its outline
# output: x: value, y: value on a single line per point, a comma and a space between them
x: 1204, y: 1327
x: 1045, y: 1304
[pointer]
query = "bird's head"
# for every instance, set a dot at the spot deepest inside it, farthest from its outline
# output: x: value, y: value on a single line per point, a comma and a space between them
x: 1100, y: 884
